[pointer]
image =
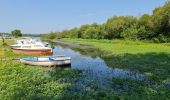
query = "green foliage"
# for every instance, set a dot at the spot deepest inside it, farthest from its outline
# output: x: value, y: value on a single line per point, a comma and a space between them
x: 143, y: 90
x: 93, y: 32
x: 5, y: 50
x: 73, y: 33
x: 135, y: 33
x: 116, y: 25
x: 16, y: 33
x: 161, y: 20
x: 130, y: 33
x: 32, y: 35
x: 18, y: 82
x: 154, y: 27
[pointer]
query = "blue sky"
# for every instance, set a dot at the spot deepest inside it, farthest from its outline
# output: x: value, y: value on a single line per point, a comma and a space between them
x: 43, y: 16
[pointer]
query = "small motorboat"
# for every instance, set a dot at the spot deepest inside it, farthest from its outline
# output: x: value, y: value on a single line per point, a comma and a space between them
x: 28, y: 41
x: 33, y: 50
x: 31, y: 47
x: 18, y: 44
x: 47, y: 61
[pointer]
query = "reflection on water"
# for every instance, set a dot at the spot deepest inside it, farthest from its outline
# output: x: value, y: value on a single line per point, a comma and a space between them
x: 94, y: 68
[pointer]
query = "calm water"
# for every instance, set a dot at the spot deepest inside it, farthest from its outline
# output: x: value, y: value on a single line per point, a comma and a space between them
x: 94, y: 68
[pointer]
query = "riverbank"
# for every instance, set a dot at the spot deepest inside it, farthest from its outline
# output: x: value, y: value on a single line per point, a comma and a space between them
x: 19, y: 81
x: 32, y: 82
x: 119, y: 47
x: 151, y: 59
x: 5, y: 50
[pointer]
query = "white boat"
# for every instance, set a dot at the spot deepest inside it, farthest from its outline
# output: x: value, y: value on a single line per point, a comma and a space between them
x: 19, y: 43
x: 31, y: 47
x: 47, y: 61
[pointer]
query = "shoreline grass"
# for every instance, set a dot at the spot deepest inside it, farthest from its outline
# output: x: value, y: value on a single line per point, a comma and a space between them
x: 5, y: 50
x: 118, y: 47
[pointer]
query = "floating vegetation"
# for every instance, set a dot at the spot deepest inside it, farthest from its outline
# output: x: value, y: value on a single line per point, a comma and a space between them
x: 93, y: 75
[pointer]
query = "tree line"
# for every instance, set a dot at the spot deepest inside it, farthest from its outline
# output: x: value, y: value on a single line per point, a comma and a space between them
x: 154, y: 27
x: 18, y: 33
x: 15, y: 33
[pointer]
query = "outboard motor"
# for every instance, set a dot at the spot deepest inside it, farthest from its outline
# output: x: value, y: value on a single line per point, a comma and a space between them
x: 52, y: 47
x: 46, y: 45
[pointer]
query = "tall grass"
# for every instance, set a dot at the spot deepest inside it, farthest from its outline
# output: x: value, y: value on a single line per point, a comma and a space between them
x: 5, y: 50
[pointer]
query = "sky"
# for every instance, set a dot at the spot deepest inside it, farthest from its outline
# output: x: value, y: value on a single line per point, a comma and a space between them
x: 44, y: 16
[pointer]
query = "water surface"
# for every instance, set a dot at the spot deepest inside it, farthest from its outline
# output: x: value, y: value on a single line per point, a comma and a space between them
x: 94, y: 68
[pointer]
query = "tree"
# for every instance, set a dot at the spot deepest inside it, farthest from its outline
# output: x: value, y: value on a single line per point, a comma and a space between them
x: 148, y: 27
x: 145, y: 22
x: 116, y: 25
x: 3, y: 40
x: 130, y: 33
x: 161, y: 20
x: 16, y: 33
x: 52, y: 35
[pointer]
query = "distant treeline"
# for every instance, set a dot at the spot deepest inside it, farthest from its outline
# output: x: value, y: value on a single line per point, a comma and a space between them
x: 32, y: 35
x: 4, y: 33
x: 154, y: 27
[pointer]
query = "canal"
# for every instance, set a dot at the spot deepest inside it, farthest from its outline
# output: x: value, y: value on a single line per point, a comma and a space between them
x: 95, y: 70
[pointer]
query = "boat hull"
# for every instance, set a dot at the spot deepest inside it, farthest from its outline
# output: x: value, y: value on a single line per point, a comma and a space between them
x: 47, y: 63
x: 33, y: 51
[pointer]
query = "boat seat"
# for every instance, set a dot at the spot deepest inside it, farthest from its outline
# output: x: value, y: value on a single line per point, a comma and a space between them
x: 31, y: 59
x: 42, y: 59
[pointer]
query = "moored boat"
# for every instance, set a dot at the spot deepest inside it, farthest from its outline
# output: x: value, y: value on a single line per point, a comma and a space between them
x: 31, y: 47
x: 19, y: 43
x: 33, y: 50
x: 47, y: 61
